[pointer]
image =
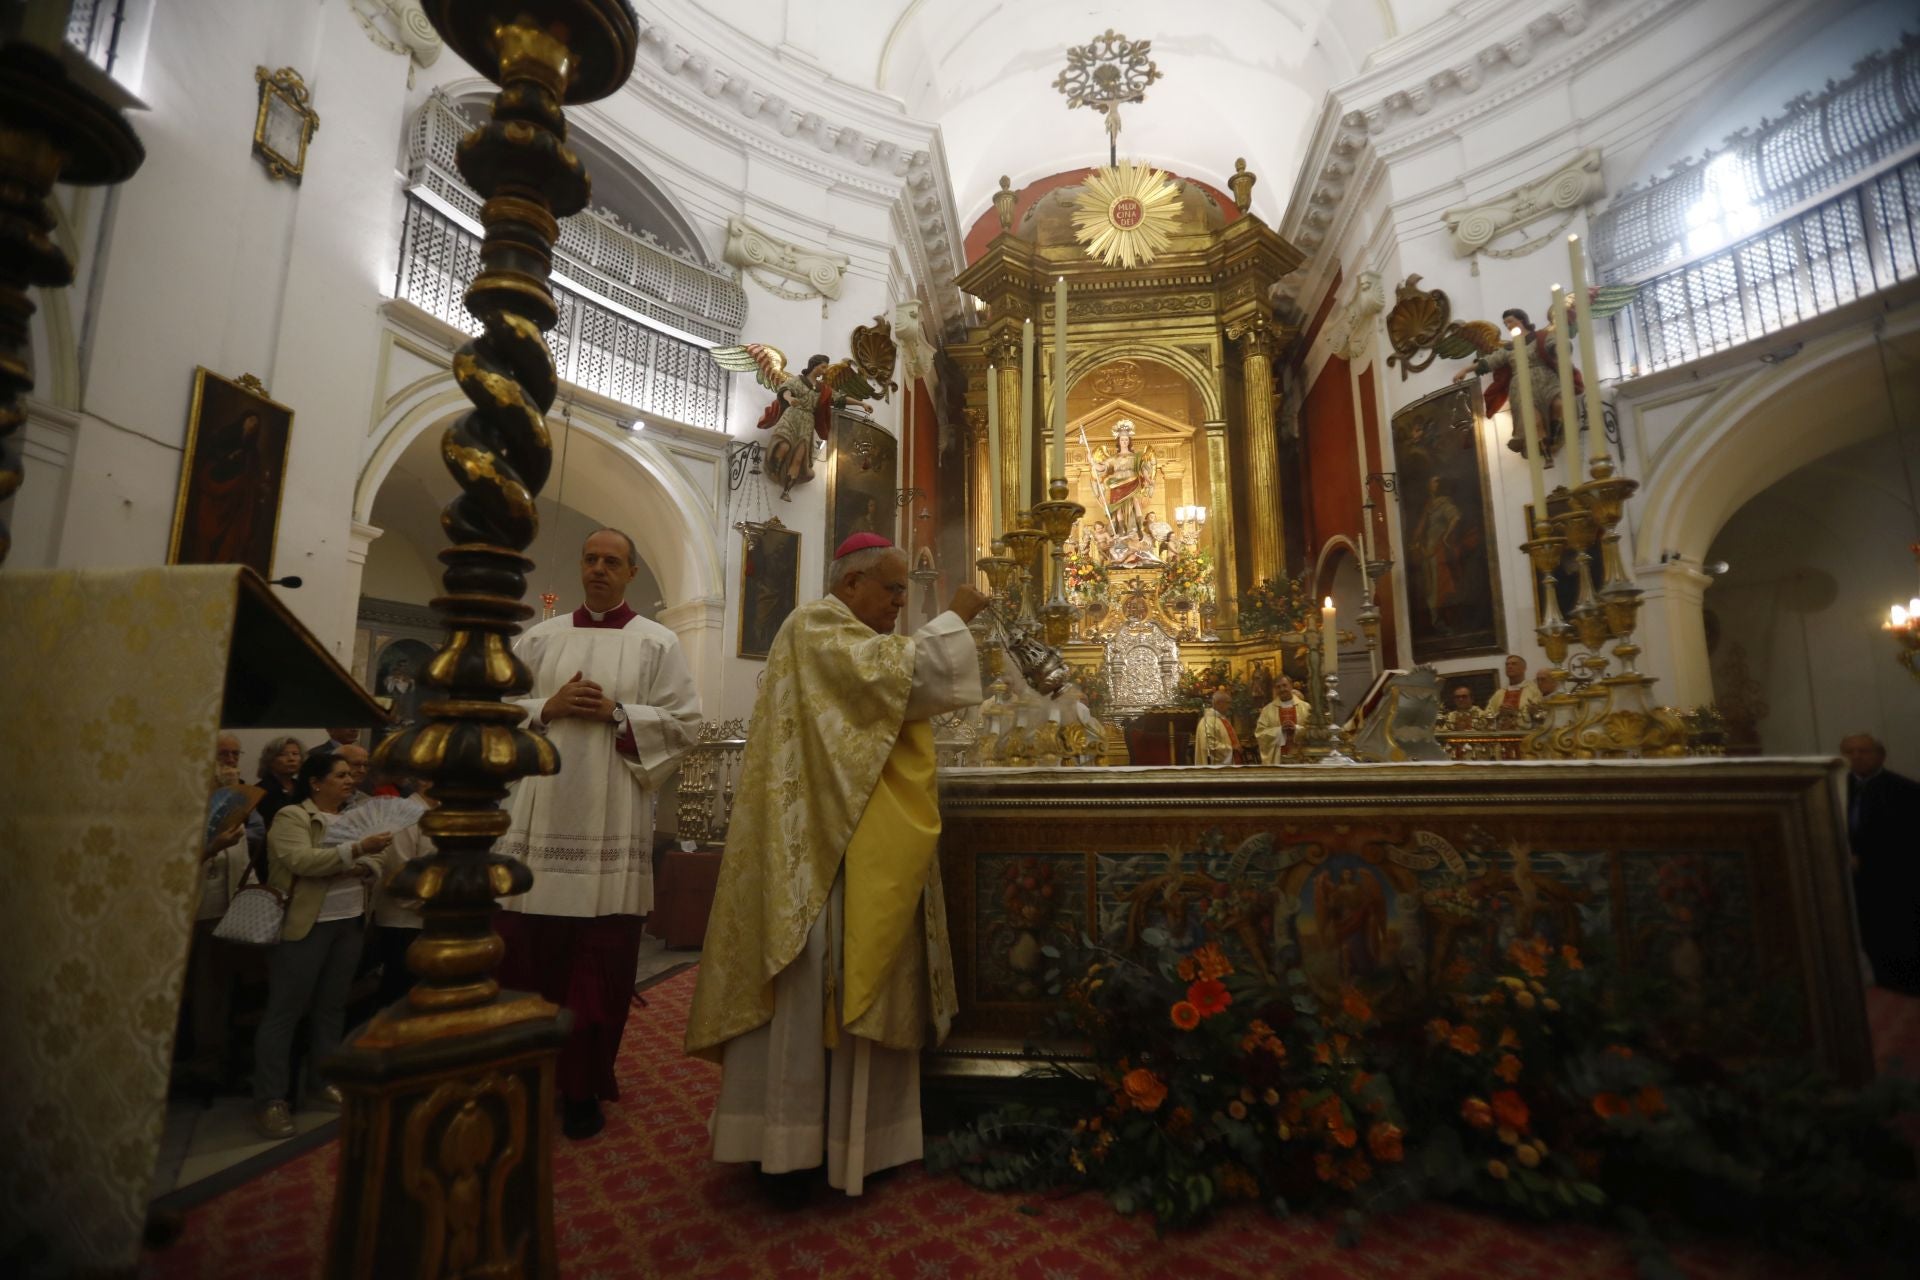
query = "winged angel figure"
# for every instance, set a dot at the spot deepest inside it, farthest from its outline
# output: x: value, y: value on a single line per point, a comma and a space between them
x: 1420, y: 319
x: 802, y: 407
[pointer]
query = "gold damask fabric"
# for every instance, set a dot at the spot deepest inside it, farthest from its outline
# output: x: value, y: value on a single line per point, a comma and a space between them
x: 115, y: 684
x: 829, y: 711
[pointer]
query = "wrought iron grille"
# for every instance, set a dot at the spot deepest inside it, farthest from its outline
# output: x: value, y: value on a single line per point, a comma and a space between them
x: 1850, y: 246
x: 594, y: 346
x: 93, y: 27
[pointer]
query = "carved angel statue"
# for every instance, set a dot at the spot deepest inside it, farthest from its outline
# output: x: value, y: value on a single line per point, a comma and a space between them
x: 1125, y: 480
x: 1493, y: 350
x: 802, y: 407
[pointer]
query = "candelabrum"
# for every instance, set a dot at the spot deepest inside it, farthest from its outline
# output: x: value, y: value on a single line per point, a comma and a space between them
x: 1023, y: 542
x: 1056, y: 518
x: 452, y: 1089
x: 1903, y: 624
x: 1547, y: 550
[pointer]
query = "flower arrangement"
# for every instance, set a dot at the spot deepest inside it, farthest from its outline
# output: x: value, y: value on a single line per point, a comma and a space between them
x: 1188, y: 574
x: 1275, y: 606
x: 1086, y: 574
x: 1195, y: 688
x: 1526, y: 1088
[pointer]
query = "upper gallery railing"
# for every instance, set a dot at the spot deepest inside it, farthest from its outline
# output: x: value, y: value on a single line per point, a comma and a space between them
x: 637, y: 318
x: 1848, y: 246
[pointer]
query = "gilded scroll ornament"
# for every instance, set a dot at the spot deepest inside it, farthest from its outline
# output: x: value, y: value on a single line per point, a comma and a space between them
x: 876, y: 354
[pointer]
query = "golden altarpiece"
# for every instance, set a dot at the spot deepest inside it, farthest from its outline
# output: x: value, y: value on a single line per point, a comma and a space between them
x: 1177, y: 353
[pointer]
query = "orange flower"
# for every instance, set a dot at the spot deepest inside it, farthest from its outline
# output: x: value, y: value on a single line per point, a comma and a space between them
x: 1185, y: 1016
x: 1383, y: 1140
x: 1571, y: 957
x: 1477, y: 1113
x: 1188, y: 969
x: 1356, y: 1005
x: 1511, y: 1109
x: 1237, y: 1109
x: 1439, y: 1029
x: 1323, y: 1053
x: 1508, y: 1068
x: 1609, y: 1105
x: 1466, y: 1039
x: 1528, y: 1157
x: 1210, y: 962
x: 1144, y: 1089
x: 1650, y: 1101
x: 1209, y: 996
x: 1509, y: 1039
x: 1345, y: 1136
x: 1323, y: 1168
x: 1530, y: 955
x: 1498, y: 1169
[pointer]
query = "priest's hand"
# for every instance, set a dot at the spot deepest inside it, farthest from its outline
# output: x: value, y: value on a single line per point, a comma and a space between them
x: 966, y: 603
x: 578, y: 697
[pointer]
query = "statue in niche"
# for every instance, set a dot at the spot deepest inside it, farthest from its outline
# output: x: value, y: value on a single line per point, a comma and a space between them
x: 1125, y: 482
x: 802, y: 406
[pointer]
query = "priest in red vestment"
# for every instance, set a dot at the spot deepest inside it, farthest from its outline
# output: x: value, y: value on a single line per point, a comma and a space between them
x: 611, y: 690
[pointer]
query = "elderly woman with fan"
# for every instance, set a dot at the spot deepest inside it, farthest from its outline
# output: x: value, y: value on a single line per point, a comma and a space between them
x: 325, y: 883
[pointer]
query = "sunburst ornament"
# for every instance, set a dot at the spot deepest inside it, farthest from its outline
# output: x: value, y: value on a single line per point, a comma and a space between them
x: 1124, y: 214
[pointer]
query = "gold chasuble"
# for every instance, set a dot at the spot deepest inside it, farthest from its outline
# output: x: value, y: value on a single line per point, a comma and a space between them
x: 834, y: 771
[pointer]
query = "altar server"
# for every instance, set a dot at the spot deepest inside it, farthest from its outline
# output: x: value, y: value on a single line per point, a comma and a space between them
x: 612, y: 691
x: 1278, y: 729
x: 826, y: 958
x: 1214, y: 741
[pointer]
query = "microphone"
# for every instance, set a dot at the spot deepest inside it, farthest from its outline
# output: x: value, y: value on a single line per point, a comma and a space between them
x: 291, y: 580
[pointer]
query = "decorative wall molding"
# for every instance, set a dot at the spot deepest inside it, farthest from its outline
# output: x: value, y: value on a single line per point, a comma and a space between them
x: 767, y: 109
x: 1576, y: 182
x: 1348, y: 335
x: 399, y: 26
x: 755, y: 251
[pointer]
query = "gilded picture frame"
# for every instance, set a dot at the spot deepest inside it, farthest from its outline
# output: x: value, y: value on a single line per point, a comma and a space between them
x: 861, y: 482
x: 769, y: 584
x: 1453, y: 563
x: 232, y: 474
x: 284, y: 124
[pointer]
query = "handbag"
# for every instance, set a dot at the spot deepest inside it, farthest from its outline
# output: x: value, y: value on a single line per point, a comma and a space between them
x: 254, y: 916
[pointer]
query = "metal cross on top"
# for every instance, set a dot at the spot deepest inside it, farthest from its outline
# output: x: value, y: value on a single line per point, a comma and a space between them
x: 1105, y: 72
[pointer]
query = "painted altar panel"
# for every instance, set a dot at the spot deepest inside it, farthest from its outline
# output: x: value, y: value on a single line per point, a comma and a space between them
x: 1719, y: 886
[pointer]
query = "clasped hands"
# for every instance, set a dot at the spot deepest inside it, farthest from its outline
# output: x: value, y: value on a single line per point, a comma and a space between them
x: 579, y: 698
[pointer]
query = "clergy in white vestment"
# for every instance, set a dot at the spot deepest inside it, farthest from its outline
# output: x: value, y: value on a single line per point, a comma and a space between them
x: 1214, y: 741
x: 1278, y: 729
x: 826, y: 965
x: 612, y: 693
x: 1520, y: 695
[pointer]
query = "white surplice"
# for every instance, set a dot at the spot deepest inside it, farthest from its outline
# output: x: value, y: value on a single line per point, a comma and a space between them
x: 587, y: 832
x: 1270, y: 732
x: 788, y: 1102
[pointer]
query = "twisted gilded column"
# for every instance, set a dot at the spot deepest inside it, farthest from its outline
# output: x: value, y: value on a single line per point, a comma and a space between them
x: 52, y: 129
x: 1258, y: 344
x: 1003, y: 352
x: 445, y: 1166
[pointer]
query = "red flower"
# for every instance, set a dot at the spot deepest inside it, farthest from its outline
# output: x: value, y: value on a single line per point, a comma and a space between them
x: 1508, y: 1068
x: 1466, y: 1039
x: 1356, y: 1005
x: 1144, y: 1089
x: 1510, y: 1109
x: 1571, y: 957
x: 1185, y: 1016
x: 1609, y: 1105
x: 1650, y: 1101
x: 1477, y: 1113
x: 1210, y: 996
x: 1383, y: 1140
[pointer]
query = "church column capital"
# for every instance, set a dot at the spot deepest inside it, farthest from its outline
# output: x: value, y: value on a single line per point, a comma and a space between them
x: 1256, y: 337
x: 1003, y: 346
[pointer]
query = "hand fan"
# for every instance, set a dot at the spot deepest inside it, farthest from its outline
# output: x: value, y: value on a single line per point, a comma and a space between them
x: 374, y: 815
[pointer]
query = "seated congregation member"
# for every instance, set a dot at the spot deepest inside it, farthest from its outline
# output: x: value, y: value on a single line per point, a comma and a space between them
x: 612, y: 691
x: 1517, y: 700
x: 827, y: 965
x: 1277, y: 731
x: 1214, y: 741
x: 312, y: 967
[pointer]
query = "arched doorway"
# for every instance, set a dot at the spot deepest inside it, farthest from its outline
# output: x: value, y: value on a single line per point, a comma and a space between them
x: 1337, y: 575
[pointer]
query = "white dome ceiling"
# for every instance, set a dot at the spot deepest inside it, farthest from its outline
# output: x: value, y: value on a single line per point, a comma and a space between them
x: 1238, y: 77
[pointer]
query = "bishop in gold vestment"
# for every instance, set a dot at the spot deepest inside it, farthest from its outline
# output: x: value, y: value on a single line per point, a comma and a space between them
x: 826, y: 958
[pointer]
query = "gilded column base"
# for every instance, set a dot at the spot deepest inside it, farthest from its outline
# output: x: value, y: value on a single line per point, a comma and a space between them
x: 446, y: 1146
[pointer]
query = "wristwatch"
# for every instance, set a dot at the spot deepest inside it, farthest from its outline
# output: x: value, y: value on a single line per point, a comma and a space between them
x: 619, y: 718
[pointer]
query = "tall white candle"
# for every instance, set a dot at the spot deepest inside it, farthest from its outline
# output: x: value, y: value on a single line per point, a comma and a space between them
x: 1329, y: 653
x: 993, y: 453
x: 1597, y: 436
x: 1366, y: 523
x: 1569, y: 408
x: 1521, y: 403
x: 1060, y: 376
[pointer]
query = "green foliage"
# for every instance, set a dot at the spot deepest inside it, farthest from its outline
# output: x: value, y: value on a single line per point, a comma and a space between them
x: 1196, y: 688
x: 1275, y: 606
x: 1536, y: 1089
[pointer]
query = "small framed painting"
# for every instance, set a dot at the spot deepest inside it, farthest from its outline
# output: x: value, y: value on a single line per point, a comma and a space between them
x: 769, y: 584
x: 231, y: 475
x: 862, y: 480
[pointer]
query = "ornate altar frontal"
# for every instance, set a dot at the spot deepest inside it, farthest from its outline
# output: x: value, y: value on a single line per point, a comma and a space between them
x: 1719, y: 884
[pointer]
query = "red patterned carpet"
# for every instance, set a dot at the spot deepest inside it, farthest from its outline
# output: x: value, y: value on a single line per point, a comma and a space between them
x: 643, y: 1200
